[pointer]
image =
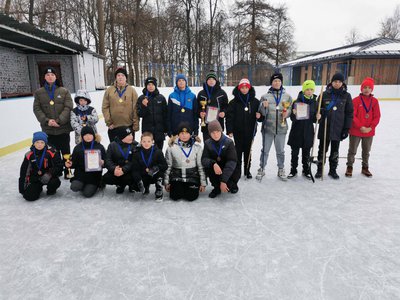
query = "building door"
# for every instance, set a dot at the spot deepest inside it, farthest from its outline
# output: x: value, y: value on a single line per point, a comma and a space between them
x: 44, y: 65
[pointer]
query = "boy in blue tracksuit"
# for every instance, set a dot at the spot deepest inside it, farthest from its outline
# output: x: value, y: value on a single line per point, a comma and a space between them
x: 182, y: 107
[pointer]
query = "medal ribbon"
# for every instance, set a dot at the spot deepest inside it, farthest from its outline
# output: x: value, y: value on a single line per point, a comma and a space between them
x: 40, y: 164
x: 220, y: 147
x: 91, y: 146
x: 245, y: 103
x: 147, y: 162
x: 278, y: 100
x: 365, y: 106
x: 209, y: 93
x: 124, y: 155
x: 50, y: 92
x: 190, y: 151
x: 120, y: 94
x: 332, y: 103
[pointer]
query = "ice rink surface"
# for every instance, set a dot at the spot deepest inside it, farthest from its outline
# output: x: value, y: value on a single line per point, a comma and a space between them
x: 272, y: 240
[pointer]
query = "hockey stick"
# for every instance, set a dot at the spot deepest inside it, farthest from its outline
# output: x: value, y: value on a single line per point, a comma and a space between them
x: 251, y: 147
x: 314, y: 152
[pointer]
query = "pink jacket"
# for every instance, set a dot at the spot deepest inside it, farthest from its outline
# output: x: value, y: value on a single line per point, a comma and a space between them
x: 362, y: 118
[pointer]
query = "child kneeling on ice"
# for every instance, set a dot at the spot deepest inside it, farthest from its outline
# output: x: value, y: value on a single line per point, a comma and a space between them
x: 86, y: 180
x: 185, y: 177
x: 219, y: 160
x: 149, y: 166
x: 40, y: 167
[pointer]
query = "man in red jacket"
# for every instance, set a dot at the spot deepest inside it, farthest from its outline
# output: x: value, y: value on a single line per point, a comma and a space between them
x: 366, y: 117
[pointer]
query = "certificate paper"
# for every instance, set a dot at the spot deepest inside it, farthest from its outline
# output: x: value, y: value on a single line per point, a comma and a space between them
x: 93, y: 160
x: 212, y: 114
x: 302, y: 111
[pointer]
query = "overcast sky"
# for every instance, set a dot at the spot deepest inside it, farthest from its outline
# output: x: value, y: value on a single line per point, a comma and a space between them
x: 324, y: 24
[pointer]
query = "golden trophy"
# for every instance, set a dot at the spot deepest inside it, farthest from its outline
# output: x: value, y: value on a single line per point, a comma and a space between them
x: 203, y: 104
x: 67, y: 158
x: 285, y: 105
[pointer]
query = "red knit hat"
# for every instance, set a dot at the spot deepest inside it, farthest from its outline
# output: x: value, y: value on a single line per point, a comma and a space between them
x: 367, y: 82
x: 244, y: 82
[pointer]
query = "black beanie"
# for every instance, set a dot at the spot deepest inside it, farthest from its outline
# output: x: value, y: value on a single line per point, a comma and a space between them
x: 50, y: 70
x: 276, y: 76
x: 338, y: 76
x: 150, y: 80
x: 211, y: 74
x: 122, y: 132
x: 87, y: 130
x: 122, y: 71
x: 184, y: 127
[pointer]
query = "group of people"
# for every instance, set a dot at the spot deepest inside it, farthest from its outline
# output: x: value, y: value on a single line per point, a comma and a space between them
x: 186, y: 165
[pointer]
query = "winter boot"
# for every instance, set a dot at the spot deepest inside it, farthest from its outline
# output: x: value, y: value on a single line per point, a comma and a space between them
x: 366, y: 172
x: 260, y: 174
x: 307, y: 172
x: 292, y: 174
x: 249, y: 176
x: 349, y: 171
x: 234, y: 188
x: 159, y: 190
x: 120, y: 189
x: 214, y: 193
x: 319, y: 171
x: 333, y: 174
x: 281, y: 174
x: 146, y: 190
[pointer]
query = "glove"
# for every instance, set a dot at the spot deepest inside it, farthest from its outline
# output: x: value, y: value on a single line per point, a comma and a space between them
x: 153, y: 171
x: 45, y: 178
x: 345, y: 134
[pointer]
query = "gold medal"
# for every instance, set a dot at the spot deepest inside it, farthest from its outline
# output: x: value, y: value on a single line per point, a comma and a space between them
x: 334, y: 108
x: 120, y: 100
x: 183, y: 110
x: 51, y: 102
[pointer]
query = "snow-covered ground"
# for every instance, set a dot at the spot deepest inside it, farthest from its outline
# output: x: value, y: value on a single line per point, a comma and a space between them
x: 272, y: 240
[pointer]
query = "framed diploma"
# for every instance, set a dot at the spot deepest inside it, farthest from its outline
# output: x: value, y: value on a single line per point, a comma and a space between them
x: 93, y: 160
x: 302, y: 111
x: 212, y: 114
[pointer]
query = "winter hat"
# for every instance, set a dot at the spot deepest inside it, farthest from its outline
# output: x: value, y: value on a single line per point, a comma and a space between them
x: 244, y: 82
x: 150, y: 80
x: 368, y: 81
x: 276, y: 76
x: 211, y: 74
x: 180, y: 76
x: 122, y: 132
x: 184, y: 127
x: 50, y: 70
x: 39, y: 136
x: 122, y: 71
x: 338, y: 76
x: 82, y: 94
x: 87, y: 130
x: 214, y: 126
x: 308, y: 84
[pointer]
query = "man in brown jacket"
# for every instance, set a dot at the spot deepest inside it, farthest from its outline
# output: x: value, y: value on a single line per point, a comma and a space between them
x: 119, y: 105
x: 52, y: 106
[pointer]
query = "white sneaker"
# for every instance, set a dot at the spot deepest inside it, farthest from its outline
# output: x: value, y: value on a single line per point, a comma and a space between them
x: 281, y: 174
x: 260, y: 174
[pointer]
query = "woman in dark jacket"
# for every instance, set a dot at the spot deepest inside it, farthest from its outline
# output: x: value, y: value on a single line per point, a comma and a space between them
x: 86, y: 181
x: 337, y: 112
x: 215, y: 97
x: 302, y: 132
x: 153, y: 109
x: 241, y: 120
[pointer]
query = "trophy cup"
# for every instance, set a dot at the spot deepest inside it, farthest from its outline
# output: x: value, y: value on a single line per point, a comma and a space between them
x: 67, y: 157
x: 285, y: 105
x: 203, y: 104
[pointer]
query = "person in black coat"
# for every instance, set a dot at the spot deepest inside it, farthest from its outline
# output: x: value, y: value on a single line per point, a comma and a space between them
x: 215, y: 97
x: 337, y: 113
x: 41, y: 166
x: 241, y: 122
x: 84, y: 180
x: 219, y: 160
x: 153, y: 109
x: 119, y: 160
x: 149, y: 166
x: 301, y: 134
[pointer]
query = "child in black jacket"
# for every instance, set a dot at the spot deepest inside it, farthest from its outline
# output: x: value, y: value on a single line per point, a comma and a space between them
x: 86, y: 180
x: 219, y: 160
x: 149, y: 165
x: 119, y: 160
x: 41, y: 166
x: 241, y: 122
x: 153, y: 109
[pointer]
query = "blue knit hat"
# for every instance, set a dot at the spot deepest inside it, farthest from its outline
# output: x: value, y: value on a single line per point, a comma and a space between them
x: 39, y: 136
x: 180, y: 76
